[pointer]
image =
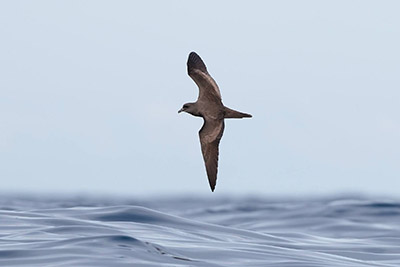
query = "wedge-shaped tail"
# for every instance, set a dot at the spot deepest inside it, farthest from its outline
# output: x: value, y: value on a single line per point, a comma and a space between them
x: 233, y: 114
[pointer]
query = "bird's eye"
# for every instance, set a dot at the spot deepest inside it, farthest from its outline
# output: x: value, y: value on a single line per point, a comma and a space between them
x: 185, y: 106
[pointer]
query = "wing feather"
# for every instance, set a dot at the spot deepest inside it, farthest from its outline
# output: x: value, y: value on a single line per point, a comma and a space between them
x: 197, y: 70
x: 210, y: 136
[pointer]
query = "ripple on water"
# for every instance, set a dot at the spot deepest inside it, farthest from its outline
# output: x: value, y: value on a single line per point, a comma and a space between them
x: 179, y: 232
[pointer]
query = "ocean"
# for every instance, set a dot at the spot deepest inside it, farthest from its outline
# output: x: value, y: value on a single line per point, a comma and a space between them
x: 197, y: 231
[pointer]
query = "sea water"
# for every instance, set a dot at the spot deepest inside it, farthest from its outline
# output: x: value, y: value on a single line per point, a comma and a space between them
x: 188, y: 231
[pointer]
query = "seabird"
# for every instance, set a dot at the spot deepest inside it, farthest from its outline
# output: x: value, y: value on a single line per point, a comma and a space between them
x: 209, y: 106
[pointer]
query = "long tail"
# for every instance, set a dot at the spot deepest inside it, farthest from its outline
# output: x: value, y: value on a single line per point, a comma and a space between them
x: 233, y: 114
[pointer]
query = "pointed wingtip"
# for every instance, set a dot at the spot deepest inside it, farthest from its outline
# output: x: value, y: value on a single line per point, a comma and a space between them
x: 195, y: 62
x: 212, y: 185
x: 212, y: 182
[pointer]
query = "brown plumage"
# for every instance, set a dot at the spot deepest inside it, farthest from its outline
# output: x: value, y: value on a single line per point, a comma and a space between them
x: 209, y: 106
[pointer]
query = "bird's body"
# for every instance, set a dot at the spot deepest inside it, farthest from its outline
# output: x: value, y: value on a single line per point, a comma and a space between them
x: 209, y: 106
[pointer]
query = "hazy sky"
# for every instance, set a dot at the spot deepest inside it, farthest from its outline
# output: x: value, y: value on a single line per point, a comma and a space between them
x: 89, y: 94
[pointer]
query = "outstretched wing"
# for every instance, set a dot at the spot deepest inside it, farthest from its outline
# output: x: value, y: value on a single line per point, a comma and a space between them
x: 210, y: 136
x: 197, y: 70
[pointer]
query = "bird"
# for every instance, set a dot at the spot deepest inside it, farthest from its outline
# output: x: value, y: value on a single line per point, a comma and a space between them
x: 209, y: 106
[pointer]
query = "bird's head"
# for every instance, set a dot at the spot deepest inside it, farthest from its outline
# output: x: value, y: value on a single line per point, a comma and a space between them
x: 189, y: 108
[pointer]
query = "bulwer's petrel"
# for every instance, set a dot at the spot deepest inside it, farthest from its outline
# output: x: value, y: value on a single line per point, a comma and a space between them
x: 209, y: 106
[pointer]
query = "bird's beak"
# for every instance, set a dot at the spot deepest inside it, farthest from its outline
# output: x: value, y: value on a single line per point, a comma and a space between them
x: 179, y: 111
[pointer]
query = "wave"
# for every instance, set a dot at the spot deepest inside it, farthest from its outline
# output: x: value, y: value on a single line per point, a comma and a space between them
x: 199, y: 232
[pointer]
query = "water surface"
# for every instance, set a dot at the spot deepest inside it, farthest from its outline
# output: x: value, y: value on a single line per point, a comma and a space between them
x: 342, y: 231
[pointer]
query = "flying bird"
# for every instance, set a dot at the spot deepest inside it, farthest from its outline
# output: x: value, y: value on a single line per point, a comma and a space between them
x: 209, y: 106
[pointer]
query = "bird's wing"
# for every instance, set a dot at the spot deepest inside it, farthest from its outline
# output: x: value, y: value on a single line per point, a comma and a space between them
x: 210, y: 136
x: 197, y: 70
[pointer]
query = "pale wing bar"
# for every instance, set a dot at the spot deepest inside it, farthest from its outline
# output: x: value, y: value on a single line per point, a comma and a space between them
x: 197, y: 70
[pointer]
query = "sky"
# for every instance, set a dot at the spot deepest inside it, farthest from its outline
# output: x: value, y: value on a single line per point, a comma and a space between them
x: 89, y: 94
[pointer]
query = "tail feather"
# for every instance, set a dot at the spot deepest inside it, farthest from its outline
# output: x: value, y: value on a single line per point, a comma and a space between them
x: 233, y: 114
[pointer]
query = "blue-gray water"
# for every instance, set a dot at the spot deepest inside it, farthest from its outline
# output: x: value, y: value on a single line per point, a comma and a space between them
x: 343, y: 231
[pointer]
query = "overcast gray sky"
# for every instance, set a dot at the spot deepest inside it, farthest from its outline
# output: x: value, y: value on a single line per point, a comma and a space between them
x: 89, y: 94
